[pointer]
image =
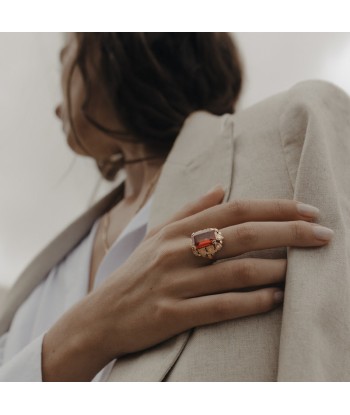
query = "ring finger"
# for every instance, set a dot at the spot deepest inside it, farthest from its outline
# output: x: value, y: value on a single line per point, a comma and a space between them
x: 252, y: 236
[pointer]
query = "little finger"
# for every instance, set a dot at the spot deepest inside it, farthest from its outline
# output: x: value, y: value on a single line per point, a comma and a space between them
x: 222, y: 307
x: 232, y: 275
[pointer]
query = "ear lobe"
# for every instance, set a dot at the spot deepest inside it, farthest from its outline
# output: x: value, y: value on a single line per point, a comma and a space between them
x: 110, y: 167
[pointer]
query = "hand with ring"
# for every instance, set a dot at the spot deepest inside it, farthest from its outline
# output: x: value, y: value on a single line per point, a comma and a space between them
x: 171, y: 282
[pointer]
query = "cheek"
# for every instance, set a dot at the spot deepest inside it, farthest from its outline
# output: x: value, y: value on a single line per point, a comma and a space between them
x: 82, y: 128
x: 74, y: 143
x: 76, y: 99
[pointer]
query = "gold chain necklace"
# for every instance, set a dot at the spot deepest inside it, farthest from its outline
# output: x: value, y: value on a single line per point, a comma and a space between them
x: 106, y: 219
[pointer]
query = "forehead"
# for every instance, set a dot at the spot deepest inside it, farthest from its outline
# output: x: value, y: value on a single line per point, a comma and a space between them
x: 68, y: 38
x: 69, y: 44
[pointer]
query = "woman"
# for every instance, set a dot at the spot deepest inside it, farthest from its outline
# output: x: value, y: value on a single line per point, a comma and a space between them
x: 126, y: 99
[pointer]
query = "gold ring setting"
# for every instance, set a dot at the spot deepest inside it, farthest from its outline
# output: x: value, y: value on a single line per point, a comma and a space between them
x: 206, y: 242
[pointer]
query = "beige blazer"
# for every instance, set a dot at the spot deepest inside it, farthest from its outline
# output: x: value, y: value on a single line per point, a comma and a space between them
x: 294, y: 145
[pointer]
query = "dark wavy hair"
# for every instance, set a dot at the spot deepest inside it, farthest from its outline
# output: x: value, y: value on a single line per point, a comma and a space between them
x: 155, y: 80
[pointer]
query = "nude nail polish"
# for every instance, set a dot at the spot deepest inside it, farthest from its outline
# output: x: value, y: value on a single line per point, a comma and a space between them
x: 307, y: 210
x: 213, y: 189
x: 322, y: 233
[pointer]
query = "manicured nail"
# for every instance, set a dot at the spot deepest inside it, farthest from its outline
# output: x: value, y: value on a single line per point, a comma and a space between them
x: 278, y: 296
x: 213, y: 189
x: 323, y: 233
x: 307, y: 210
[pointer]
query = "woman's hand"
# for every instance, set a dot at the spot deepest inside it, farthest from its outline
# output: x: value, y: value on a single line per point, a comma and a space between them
x: 163, y: 289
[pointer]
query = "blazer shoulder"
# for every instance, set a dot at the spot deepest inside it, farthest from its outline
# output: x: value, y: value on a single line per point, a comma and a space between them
x: 312, y: 99
x: 3, y: 291
x: 315, y: 89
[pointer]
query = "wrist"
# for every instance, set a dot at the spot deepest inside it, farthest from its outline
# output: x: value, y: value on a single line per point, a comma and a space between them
x: 71, y: 349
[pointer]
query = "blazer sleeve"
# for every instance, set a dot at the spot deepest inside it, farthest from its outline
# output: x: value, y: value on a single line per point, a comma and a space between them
x: 25, y: 366
x: 315, y: 134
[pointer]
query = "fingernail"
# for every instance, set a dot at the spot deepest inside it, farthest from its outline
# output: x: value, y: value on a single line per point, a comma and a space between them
x: 307, y: 210
x: 278, y: 296
x: 213, y: 189
x: 323, y: 233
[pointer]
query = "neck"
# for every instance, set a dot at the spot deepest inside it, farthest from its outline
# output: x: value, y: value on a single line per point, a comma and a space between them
x: 139, y: 177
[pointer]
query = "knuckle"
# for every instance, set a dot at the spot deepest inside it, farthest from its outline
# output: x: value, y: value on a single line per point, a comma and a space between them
x: 279, y: 207
x: 171, y: 286
x: 222, y: 309
x: 166, y: 233
x: 162, y: 256
x: 172, y: 230
x: 245, y: 233
x: 165, y: 248
x: 245, y: 271
x: 191, y: 208
x: 264, y: 300
x: 238, y: 208
x: 161, y: 235
x: 150, y: 233
x: 163, y: 310
x: 298, y: 230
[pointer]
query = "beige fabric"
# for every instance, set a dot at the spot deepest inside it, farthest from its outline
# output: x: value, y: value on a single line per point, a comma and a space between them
x: 3, y: 292
x: 293, y: 145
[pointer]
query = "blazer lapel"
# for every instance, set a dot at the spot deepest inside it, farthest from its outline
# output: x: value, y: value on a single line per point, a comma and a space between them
x: 38, y: 269
x: 201, y: 157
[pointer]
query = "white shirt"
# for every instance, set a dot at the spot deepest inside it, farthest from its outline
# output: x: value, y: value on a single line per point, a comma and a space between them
x: 66, y: 284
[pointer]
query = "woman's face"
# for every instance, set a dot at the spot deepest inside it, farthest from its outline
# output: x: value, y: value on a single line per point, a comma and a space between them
x: 82, y: 136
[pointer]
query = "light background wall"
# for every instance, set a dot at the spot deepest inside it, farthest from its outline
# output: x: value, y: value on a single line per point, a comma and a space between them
x: 44, y: 185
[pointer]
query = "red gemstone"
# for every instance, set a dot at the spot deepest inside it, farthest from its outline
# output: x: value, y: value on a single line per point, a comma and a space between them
x: 203, y: 244
x: 203, y: 238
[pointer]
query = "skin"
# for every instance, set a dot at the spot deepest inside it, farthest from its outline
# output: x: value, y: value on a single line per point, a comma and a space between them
x: 172, y: 290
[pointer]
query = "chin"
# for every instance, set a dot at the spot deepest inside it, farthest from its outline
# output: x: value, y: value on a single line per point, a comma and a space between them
x: 74, y: 145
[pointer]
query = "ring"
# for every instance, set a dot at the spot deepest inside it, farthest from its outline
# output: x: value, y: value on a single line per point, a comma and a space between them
x: 206, y: 242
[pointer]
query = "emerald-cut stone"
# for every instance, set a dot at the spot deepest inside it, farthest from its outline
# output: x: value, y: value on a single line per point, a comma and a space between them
x: 203, y: 238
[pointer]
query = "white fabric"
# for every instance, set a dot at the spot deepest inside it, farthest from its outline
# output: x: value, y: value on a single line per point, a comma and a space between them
x: 66, y: 284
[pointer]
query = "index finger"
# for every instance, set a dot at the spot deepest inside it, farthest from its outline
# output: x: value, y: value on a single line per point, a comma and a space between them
x: 213, y: 197
x: 247, y: 210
